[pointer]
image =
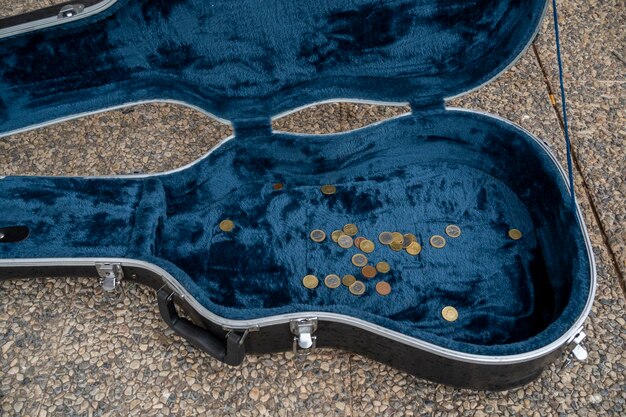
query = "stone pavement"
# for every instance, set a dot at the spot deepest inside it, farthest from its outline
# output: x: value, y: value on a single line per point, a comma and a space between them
x: 68, y: 349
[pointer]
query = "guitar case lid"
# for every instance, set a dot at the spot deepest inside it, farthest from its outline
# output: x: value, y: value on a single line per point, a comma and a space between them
x: 246, y: 61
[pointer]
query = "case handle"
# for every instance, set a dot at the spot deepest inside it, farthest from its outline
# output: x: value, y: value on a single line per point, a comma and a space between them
x: 230, y: 351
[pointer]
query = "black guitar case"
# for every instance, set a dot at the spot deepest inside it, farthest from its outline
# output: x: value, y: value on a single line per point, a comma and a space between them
x: 501, y: 275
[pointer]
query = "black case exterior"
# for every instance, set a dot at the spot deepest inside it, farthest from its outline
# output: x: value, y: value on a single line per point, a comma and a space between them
x: 329, y: 334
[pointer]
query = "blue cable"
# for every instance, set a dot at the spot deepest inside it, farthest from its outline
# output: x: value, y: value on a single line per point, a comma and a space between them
x: 568, y: 143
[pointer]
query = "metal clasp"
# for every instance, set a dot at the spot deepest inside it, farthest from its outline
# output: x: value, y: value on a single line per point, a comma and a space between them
x: 304, y: 343
x: 111, y: 274
x: 578, y: 351
x: 70, y: 10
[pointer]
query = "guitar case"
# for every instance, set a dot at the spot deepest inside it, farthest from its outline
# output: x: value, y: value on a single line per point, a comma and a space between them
x: 505, y: 296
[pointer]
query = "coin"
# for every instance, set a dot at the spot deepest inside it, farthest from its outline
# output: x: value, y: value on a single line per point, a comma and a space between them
x: 348, y: 280
x: 350, y: 229
x: 328, y: 189
x: 310, y: 281
x: 414, y: 248
x: 358, y: 241
x: 335, y: 235
x: 437, y: 241
x: 450, y: 313
x: 357, y: 288
x: 332, y: 281
x: 359, y: 260
x: 383, y: 267
x: 397, y: 237
x: 396, y: 246
x: 515, y: 234
x: 227, y: 225
x: 383, y: 288
x: 318, y: 235
x: 385, y: 238
x: 367, y: 246
x: 408, y: 238
x: 369, y: 271
x: 453, y: 230
x: 278, y: 186
x: 345, y: 241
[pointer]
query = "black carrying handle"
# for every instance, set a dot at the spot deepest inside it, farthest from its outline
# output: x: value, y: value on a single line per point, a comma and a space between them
x: 231, y: 350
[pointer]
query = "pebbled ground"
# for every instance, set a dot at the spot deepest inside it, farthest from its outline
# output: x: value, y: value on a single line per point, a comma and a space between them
x: 68, y: 349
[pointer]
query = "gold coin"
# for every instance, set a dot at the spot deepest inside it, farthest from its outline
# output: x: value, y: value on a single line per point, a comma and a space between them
x: 348, y: 280
x: 397, y: 237
x: 350, y: 229
x: 318, y: 235
x: 278, y: 186
x: 437, y: 241
x: 328, y: 189
x: 414, y: 248
x: 383, y: 267
x: 227, y: 225
x: 453, y: 230
x: 408, y: 239
x: 383, y: 288
x: 358, y: 241
x: 450, y: 313
x: 396, y: 246
x: 359, y: 260
x: 345, y: 241
x: 310, y: 281
x: 369, y: 271
x: 385, y: 238
x: 335, y: 235
x: 332, y: 281
x: 367, y: 246
x: 357, y: 288
x: 515, y: 234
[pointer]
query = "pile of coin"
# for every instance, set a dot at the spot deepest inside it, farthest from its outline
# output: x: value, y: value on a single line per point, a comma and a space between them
x: 345, y: 238
x: 333, y: 281
x: 355, y: 286
x: 397, y: 241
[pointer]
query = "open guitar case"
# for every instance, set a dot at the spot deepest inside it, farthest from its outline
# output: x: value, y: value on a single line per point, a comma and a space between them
x: 521, y: 303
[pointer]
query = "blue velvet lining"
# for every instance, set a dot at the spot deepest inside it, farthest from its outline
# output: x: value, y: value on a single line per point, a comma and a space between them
x: 413, y: 174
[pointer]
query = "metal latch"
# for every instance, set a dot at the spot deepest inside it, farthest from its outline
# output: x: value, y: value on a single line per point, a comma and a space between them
x: 579, y: 350
x: 304, y: 342
x: 111, y: 274
x: 70, y: 10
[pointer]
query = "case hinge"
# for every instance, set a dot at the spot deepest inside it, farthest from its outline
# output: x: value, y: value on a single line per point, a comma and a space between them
x: 243, y: 335
x: 110, y: 275
x: 70, y: 10
x: 304, y: 343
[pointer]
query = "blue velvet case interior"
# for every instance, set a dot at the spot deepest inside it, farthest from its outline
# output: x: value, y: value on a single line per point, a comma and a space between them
x: 246, y: 61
